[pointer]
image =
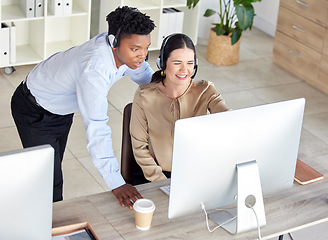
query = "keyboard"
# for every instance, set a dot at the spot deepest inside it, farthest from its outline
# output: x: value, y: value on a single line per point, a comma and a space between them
x: 166, y: 189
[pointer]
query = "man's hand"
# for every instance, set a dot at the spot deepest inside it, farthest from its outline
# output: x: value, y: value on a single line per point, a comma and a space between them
x: 126, y: 193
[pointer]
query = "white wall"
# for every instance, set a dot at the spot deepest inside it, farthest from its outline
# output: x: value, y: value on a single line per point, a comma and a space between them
x: 205, y: 22
x: 266, y: 17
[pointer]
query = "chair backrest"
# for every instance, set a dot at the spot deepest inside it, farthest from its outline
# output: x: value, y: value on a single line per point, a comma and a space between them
x: 130, y: 170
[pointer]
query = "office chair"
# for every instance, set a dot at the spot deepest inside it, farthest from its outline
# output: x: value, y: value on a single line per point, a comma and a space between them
x: 130, y: 170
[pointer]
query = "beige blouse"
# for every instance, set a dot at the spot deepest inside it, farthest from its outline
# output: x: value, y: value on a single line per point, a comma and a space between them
x: 152, y: 122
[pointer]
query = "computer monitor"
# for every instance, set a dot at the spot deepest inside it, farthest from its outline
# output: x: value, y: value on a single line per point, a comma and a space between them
x: 26, y: 187
x: 223, y: 158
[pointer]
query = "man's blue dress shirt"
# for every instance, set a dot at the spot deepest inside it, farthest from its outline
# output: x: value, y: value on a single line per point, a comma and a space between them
x: 78, y: 80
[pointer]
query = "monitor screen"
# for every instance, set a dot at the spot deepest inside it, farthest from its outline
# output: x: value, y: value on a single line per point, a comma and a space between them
x: 26, y: 187
x: 207, y: 149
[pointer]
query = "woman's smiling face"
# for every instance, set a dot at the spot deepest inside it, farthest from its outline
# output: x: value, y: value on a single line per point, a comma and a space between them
x: 180, y: 66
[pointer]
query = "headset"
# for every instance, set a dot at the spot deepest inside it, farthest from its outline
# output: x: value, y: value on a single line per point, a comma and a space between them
x: 161, y: 64
x: 114, y: 40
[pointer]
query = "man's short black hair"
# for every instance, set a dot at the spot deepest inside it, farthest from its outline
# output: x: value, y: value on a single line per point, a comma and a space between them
x: 130, y: 21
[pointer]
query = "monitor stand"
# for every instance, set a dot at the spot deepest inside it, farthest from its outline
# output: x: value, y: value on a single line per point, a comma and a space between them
x: 249, y: 188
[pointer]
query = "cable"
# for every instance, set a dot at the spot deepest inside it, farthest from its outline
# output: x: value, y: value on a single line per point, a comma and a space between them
x: 206, y: 217
x: 231, y: 219
x: 257, y: 220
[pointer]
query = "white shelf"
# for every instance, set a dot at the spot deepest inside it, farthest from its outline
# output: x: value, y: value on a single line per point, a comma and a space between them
x: 144, y: 4
x: 154, y: 9
x: 53, y: 47
x: 174, y: 3
x: 11, y: 13
x: 76, y: 11
x: 27, y: 55
x: 39, y: 37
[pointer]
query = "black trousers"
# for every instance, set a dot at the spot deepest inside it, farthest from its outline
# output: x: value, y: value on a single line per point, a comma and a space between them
x: 37, y: 126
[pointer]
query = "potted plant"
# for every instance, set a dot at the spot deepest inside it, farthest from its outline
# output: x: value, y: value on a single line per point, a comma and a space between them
x: 235, y: 17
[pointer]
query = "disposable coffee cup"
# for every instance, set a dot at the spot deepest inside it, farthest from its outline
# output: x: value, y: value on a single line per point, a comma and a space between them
x: 143, y: 213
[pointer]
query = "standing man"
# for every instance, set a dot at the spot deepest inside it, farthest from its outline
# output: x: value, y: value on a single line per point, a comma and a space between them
x: 78, y: 80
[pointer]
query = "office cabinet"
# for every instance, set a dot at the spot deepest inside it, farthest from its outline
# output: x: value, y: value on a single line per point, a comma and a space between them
x: 301, y: 41
x: 323, y: 70
x: 155, y: 9
x: 41, y: 34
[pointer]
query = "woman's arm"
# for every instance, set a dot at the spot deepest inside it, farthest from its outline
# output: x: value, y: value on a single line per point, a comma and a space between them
x: 216, y: 102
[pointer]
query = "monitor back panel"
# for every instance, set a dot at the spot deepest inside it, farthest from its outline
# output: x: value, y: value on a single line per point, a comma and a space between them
x: 26, y: 187
x: 207, y: 148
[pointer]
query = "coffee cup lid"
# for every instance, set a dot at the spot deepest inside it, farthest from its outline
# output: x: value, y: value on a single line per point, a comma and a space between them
x: 144, y: 205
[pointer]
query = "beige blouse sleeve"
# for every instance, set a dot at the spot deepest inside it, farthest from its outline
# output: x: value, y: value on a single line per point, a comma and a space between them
x: 216, y: 103
x: 140, y: 141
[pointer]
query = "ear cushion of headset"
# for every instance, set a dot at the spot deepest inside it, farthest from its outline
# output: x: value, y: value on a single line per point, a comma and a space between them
x: 111, y: 39
x: 158, y: 63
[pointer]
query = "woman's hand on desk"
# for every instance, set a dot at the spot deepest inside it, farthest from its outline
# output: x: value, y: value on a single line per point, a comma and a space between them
x: 126, y: 193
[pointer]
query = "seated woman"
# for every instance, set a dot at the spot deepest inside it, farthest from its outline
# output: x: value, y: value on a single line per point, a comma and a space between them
x: 172, y: 94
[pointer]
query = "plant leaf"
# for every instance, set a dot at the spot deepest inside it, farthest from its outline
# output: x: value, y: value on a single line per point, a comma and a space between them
x: 192, y: 3
x: 236, y: 34
x: 245, y: 1
x: 245, y: 14
x: 209, y: 12
x: 219, y: 30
